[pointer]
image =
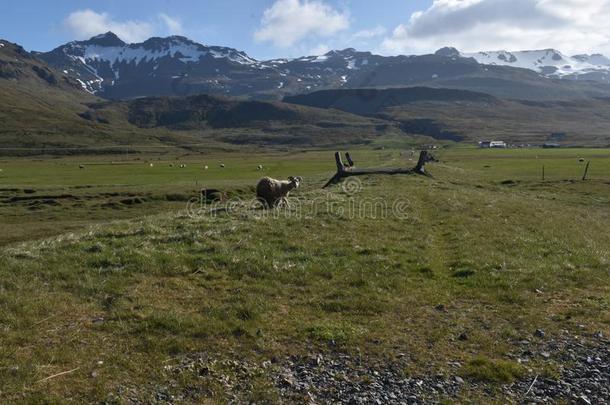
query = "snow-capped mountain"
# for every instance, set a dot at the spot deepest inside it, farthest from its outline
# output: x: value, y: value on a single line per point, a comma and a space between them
x: 105, y: 64
x: 108, y: 67
x: 550, y: 63
x: 334, y: 68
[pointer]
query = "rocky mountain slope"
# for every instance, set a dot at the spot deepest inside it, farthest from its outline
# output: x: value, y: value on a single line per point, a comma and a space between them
x: 159, y: 66
x: 252, y: 122
x: 16, y: 64
x: 466, y: 116
x: 108, y: 67
x: 373, y: 101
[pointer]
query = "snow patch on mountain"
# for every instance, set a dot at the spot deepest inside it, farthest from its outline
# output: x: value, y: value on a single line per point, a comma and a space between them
x: 548, y: 62
x: 186, y: 51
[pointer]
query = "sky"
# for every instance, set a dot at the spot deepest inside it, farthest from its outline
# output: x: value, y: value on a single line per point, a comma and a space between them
x: 268, y: 29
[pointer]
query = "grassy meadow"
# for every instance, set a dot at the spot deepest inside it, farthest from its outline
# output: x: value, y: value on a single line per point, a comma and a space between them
x: 106, y: 275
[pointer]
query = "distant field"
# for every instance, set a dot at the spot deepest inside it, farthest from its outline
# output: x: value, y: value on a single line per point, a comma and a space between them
x: 526, y: 164
x: 88, y: 192
x: 136, y: 170
x: 106, y: 276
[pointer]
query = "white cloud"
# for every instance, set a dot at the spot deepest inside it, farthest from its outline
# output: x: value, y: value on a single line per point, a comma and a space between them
x: 571, y: 26
x: 173, y: 25
x: 371, y: 33
x: 319, y: 49
x: 287, y: 22
x: 84, y: 24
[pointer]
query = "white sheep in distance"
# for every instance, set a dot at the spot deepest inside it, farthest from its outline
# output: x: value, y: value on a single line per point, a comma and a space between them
x: 259, y: 167
x: 271, y: 191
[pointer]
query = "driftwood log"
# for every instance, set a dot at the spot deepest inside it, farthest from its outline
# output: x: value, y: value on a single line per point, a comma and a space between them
x: 347, y: 169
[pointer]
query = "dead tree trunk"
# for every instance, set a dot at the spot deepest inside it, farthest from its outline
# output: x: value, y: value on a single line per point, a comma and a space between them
x: 350, y: 162
x: 584, y: 176
x: 344, y: 171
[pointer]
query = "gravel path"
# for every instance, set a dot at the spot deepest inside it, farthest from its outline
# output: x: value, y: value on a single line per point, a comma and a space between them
x: 336, y: 378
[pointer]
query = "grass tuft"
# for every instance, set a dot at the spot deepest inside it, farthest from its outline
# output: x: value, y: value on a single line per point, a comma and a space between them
x: 495, y: 371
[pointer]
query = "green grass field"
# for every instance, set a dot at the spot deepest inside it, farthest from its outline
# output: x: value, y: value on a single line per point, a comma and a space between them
x: 107, y: 275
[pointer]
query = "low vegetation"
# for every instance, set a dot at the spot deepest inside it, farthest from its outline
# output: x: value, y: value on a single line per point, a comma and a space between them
x: 495, y: 371
x: 448, y: 274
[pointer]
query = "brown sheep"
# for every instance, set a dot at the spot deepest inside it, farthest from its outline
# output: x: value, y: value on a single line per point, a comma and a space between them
x: 271, y: 191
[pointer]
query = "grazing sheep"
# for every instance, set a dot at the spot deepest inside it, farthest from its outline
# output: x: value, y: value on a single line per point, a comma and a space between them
x: 182, y: 166
x: 222, y: 165
x: 271, y: 192
x: 152, y: 165
x: 259, y: 167
x: 205, y: 167
x: 581, y: 160
x: 81, y: 166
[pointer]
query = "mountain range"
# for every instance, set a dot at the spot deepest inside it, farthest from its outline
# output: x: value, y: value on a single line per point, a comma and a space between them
x: 102, y: 95
x: 108, y: 67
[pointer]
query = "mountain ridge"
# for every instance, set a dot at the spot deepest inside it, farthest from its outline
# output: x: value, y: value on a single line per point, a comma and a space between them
x: 175, y: 65
x: 549, y: 62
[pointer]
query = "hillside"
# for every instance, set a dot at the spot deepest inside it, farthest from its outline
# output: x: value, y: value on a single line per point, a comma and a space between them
x: 470, y: 116
x: 46, y: 111
x: 37, y: 103
x: 235, y: 121
x: 372, y: 101
x: 576, y: 123
x: 43, y: 110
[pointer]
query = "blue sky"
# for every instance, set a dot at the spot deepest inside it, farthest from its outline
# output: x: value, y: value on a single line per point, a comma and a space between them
x: 40, y: 25
x: 289, y: 28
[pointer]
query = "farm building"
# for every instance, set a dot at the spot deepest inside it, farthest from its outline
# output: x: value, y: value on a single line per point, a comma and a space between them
x: 498, y: 144
x: 492, y: 144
